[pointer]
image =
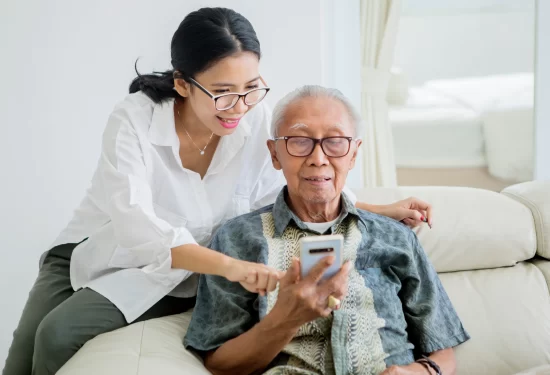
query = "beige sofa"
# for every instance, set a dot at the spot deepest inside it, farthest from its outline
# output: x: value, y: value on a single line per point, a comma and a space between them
x: 491, y: 251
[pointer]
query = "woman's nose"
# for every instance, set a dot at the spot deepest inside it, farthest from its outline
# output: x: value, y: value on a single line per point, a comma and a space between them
x: 239, y: 107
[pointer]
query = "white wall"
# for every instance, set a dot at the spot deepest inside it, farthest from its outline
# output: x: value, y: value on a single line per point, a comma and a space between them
x: 457, y: 42
x: 542, y: 93
x: 65, y: 64
x: 341, y: 58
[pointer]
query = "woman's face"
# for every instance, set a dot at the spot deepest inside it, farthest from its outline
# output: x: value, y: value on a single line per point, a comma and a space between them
x: 237, y: 74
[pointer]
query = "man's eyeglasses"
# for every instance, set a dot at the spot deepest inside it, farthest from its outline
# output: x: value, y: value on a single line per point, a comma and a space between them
x: 223, y: 102
x: 334, y: 147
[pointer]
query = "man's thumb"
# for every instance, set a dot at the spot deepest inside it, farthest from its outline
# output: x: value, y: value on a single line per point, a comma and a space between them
x: 292, y: 275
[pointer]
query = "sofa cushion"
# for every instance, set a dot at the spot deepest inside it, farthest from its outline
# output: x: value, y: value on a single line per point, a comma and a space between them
x: 151, y: 347
x: 535, y: 195
x: 509, y: 322
x: 540, y: 370
x: 465, y: 223
x: 544, y: 267
x: 507, y: 313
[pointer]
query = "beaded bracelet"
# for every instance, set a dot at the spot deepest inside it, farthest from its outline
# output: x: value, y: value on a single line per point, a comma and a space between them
x: 431, y: 363
x: 425, y: 365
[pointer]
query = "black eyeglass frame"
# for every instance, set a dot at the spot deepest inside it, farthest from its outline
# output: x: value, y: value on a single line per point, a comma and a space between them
x: 215, y: 98
x: 316, y: 141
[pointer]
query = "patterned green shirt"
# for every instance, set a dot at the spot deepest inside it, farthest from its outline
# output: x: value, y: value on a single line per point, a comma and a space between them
x: 395, y: 309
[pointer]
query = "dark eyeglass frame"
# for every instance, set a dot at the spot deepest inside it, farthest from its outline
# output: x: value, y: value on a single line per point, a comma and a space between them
x: 215, y: 98
x: 316, y: 141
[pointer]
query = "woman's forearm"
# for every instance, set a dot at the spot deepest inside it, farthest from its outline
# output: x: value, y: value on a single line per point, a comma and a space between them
x: 200, y: 259
x: 253, y: 350
x: 367, y: 207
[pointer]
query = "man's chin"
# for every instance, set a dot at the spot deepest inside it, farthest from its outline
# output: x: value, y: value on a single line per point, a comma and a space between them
x: 319, y: 197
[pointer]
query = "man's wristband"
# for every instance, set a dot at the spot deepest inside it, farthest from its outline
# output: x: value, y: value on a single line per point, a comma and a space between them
x: 425, y: 365
x: 428, y: 361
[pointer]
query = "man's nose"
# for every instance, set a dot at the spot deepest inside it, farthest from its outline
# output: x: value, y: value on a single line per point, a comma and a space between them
x: 318, y: 157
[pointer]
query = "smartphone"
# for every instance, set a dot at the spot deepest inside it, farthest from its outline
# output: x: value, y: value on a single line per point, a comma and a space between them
x: 315, y: 248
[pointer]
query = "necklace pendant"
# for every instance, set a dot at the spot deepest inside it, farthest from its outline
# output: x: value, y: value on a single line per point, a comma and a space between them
x: 202, y: 152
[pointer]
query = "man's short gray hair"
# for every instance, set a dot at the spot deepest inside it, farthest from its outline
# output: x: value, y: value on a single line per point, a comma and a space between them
x: 313, y: 91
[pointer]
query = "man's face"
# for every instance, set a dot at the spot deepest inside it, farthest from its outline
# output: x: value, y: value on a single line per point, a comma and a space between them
x: 316, y: 178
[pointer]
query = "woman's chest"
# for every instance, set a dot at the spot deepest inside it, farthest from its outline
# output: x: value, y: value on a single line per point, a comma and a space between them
x: 184, y: 199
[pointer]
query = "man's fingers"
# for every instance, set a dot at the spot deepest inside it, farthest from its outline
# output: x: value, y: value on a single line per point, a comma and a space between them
x: 336, y: 285
x: 319, y: 269
x: 272, y: 281
x: 292, y: 274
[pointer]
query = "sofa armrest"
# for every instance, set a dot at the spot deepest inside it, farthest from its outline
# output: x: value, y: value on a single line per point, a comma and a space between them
x: 536, y: 196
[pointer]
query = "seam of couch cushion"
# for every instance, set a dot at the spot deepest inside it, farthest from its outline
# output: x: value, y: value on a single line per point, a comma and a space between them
x: 541, y: 263
x: 539, y: 224
x: 140, y: 347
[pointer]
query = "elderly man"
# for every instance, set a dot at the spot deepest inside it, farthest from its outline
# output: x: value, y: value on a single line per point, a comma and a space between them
x: 393, y: 308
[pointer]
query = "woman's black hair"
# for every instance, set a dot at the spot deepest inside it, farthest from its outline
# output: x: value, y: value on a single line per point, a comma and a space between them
x: 203, y: 38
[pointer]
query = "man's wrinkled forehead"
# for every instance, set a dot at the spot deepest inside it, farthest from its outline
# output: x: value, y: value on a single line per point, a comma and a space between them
x: 301, y: 125
x: 311, y: 112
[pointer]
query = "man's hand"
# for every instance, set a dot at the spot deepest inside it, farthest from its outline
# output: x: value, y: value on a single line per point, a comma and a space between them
x: 412, y: 369
x: 301, y: 301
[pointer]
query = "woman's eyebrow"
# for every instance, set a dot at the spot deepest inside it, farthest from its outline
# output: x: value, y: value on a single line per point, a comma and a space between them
x: 225, y: 84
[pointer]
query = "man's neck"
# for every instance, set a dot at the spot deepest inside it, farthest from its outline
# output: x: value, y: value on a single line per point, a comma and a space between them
x: 314, y: 212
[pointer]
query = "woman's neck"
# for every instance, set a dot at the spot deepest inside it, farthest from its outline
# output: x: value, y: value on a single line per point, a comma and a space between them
x: 185, y: 118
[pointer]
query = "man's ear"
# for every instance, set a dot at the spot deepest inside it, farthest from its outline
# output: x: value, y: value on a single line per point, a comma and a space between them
x: 358, y: 143
x: 272, y: 146
x: 182, y: 87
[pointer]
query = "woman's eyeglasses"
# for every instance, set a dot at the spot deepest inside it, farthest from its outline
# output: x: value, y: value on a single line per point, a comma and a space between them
x: 334, y: 147
x: 223, y: 102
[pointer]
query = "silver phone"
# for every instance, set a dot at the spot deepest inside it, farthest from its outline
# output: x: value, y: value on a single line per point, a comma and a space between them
x: 315, y: 248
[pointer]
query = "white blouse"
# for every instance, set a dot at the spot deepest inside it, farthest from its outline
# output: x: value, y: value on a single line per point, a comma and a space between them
x: 142, y: 202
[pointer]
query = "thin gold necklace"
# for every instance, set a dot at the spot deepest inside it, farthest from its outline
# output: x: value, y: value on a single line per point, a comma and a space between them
x: 186, y: 132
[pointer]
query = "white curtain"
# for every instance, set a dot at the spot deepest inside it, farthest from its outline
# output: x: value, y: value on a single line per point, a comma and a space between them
x: 379, y: 23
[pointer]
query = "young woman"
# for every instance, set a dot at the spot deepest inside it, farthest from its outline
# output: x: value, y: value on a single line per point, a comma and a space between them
x: 183, y: 153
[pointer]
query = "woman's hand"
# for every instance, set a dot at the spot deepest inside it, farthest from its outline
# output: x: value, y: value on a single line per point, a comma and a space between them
x: 301, y: 301
x: 254, y: 277
x: 411, y: 211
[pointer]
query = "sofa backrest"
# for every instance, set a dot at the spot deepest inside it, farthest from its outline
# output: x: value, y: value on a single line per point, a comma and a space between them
x: 489, y: 250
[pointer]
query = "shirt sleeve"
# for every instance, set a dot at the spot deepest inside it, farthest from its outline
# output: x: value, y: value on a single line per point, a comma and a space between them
x: 432, y: 322
x: 143, y: 239
x: 224, y: 310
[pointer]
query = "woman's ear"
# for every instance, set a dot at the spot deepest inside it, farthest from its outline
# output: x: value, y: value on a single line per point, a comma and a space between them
x: 272, y: 146
x: 182, y: 87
